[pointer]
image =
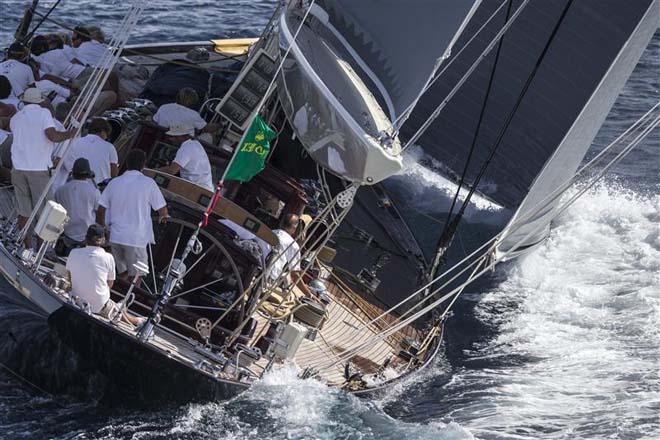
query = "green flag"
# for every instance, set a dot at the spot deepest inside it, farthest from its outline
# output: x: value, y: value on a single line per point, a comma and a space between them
x: 251, y: 155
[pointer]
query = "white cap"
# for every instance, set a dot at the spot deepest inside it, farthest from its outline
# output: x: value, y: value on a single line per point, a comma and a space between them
x: 181, y: 130
x: 32, y: 96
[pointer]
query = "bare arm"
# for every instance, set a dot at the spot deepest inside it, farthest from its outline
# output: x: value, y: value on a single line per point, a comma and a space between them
x: 7, y: 110
x: 114, y: 170
x: 59, y: 136
x: 210, y: 128
x: 110, y: 283
x: 173, y: 168
x: 57, y: 80
x: 163, y: 215
x: 100, y: 215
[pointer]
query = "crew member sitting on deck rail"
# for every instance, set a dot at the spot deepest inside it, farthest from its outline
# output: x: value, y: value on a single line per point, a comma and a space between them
x: 80, y: 198
x: 92, y: 273
x: 35, y: 135
x: 125, y: 207
x: 191, y: 160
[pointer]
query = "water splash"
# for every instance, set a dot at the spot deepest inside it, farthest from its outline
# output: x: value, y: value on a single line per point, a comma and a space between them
x: 578, y: 343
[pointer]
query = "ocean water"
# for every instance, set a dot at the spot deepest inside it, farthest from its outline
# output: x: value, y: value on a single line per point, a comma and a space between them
x: 563, y: 344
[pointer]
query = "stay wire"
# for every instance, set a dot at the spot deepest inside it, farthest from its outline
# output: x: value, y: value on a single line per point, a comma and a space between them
x: 448, y: 220
x: 452, y: 224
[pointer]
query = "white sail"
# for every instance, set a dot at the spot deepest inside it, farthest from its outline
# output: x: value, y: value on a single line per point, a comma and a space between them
x: 354, y: 67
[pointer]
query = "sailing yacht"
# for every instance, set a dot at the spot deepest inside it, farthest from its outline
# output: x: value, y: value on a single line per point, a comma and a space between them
x: 506, y: 96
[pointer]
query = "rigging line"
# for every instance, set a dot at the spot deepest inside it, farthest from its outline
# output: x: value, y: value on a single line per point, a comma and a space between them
x: 464, y: 78
x: 30, y: 383
x: 445, y: 229
x: 398, y: 122
x: 499, y: 258
x: 648, y: 116
x: 447, y: 237
x: 44, y: 17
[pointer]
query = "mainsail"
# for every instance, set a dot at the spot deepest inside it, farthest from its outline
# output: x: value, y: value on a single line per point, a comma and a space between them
x: 354, y: 67
x: 545, y: 91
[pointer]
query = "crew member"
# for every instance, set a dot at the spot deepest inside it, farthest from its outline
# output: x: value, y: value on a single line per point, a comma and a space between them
x: 54, y: 61
x: 94, y: 147
x: 125, y: 206
x: 191, y: 160
x: 92, y: 273
x: 289, y: 260
x: 35, y: 135
x: 181, y: 112
x: 80, y: 198
x: 20, y: 75
x: 89, y: 52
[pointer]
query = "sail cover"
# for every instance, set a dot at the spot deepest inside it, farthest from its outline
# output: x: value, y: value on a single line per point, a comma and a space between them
x: 592, y: 49
x: 354, y: 66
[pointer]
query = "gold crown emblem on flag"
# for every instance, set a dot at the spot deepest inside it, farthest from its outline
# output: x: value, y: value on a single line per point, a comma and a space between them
x: 260, y: 136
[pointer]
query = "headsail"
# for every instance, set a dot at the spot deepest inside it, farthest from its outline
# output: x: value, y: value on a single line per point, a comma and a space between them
x: 591, y: 50
x: 356, y: 66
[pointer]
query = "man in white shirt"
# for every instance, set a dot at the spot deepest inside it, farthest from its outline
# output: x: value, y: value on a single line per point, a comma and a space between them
x: 289, y: 255
x: 35, y: 136
x: 182, y: 113
x: 101, y: 154
x: 20, y: 75
x: 88, y: 51
x: 80, y: 198
x: 191, y: 160
x: 92, y: 273
x: 125, y: 206
x: 54, y: 61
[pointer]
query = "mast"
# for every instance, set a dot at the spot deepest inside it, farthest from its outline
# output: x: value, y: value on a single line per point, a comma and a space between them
x: 24, y: 25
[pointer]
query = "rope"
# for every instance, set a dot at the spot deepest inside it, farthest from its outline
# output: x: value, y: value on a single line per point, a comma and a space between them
x: 28, y: 382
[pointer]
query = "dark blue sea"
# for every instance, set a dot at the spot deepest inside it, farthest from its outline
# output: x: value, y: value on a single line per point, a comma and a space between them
x: 563, y: 344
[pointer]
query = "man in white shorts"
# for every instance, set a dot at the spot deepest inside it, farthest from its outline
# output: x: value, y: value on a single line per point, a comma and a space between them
x: 125, y: 207
x: 191, y: 160
x: 92, y: 273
